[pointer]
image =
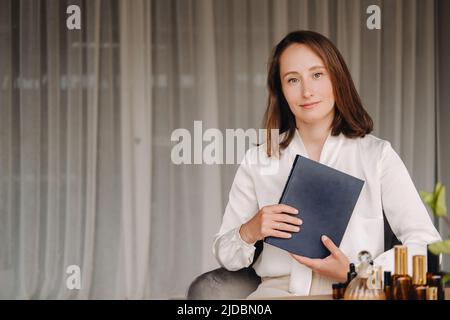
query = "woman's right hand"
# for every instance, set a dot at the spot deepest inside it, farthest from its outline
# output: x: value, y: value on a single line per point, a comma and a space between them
x: 271, y: 221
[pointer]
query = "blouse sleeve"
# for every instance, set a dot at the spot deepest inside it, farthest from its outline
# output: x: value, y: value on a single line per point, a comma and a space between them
x: 404, y: 210
x: 230, y: 250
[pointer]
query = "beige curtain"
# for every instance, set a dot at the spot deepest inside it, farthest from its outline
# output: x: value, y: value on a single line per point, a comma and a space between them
x: 60, y: 191
x: 136, y: 119
x: 87, y: 116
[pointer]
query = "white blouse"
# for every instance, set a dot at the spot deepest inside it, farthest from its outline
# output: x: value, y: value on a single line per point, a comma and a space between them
x: 387, y: 187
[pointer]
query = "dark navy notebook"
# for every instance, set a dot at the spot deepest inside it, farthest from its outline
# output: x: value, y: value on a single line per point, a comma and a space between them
x: 325, y: 198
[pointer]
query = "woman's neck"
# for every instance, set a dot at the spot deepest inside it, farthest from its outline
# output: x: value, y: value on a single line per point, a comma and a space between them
x: 314, y: 135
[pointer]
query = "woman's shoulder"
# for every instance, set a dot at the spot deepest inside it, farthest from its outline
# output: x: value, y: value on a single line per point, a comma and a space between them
x: 371, y: 148
x: 371, y: 143
x: 258, y: 152
x: 255, y: 154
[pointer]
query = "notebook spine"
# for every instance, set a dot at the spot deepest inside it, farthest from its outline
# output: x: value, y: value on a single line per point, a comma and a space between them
x: 289, y: 178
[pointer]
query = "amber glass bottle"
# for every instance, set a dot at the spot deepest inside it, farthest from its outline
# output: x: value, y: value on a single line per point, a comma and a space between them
x: 401, y: 281
x: 419, y: 287
x: 387, y: 285
x: 434, y: 276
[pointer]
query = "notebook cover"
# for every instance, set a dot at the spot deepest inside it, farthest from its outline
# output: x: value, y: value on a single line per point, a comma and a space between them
x: 325, y: 198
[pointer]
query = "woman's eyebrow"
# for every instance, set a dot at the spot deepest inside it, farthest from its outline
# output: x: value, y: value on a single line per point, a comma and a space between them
x: 290, y: 72
x: 317, y: 67
x: 295, y: 72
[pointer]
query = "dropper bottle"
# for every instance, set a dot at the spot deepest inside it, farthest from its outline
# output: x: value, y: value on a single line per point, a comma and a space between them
x: 365, y: 285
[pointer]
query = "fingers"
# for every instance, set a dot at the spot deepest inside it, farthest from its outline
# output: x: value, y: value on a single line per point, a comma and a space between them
x: 285, y: 227
x: 277, y: 221
x: 278, y: 208
x: 279, y: 211
x: 280, y: 234
x: 313, y: 264
x: 334, y: 250
x: 279, y: 227
x: 287, y: 218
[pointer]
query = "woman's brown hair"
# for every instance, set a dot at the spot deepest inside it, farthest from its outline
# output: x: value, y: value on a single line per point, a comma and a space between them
x: 350, y: 118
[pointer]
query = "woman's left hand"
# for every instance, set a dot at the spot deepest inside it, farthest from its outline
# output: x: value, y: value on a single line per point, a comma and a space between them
x: 335, y: 266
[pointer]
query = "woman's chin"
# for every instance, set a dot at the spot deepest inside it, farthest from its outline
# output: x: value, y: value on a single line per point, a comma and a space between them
x: 310, y: 119
x: 314, y: 116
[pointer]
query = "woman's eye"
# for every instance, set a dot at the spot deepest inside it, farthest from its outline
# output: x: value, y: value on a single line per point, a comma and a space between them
x: 293, y: 80
x: 317, y: 75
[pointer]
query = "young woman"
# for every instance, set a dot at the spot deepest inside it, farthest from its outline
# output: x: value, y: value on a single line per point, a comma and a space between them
x: 314, y: 104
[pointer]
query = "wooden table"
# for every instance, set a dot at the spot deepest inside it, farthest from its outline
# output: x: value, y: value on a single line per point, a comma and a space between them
x: 325, y: 297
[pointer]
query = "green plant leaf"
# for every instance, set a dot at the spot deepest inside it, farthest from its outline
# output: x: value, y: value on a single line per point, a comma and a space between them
x: 440, y: 205
x: 440, y: 247
x: 427, y: 197
x: 446, y: 277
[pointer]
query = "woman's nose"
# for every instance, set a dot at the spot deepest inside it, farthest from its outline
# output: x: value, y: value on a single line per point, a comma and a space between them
x: 306, y: 90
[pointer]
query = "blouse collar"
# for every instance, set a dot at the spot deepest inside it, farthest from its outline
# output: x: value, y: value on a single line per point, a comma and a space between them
x: 329, y: 152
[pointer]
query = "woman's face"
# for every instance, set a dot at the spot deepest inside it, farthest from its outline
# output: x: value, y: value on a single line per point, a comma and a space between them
x: 306, y: 85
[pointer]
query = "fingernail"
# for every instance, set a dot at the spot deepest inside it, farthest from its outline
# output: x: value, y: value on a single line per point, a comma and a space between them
x: 297, y: 229
x: 324, y: 238
x: 300, y: 222
x: 296, y: 211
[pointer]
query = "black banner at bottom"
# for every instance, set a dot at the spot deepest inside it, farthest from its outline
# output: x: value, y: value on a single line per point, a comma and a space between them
x: 212, y: 309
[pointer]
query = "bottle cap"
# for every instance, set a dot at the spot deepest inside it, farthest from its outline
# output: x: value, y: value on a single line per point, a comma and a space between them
x: 419, y: 272
x: 387, y: 278
x: 432, y: 261
x: 351, y: 274
x: 401, y: 260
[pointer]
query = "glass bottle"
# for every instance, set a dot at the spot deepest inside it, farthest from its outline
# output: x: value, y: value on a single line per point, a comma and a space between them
x: 434, y: 276
x: 336, y: 292
x: 387, y: 285
x: 432, y: 293
x: 351, y: 274
x: 366, y: 285
x: 401, y: 281
x: 419, y: 282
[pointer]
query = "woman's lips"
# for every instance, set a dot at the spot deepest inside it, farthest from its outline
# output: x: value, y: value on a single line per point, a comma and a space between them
x: 309, y: 105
